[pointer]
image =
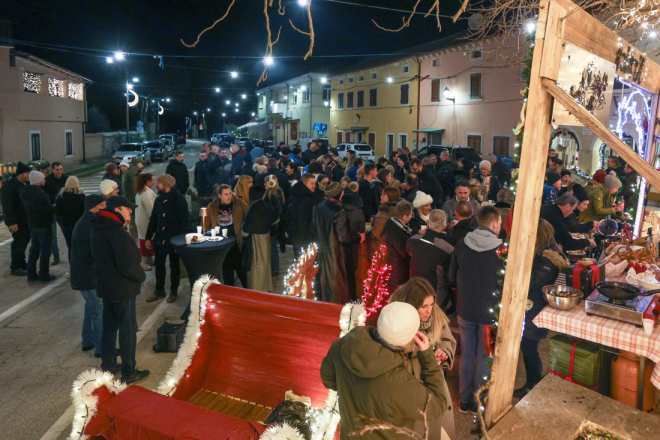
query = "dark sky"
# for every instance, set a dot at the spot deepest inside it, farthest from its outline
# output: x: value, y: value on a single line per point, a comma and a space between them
x: 157, y: 27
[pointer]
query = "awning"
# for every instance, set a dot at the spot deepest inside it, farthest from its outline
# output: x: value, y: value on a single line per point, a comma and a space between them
x: 356, y: 129
x: 429, y: 130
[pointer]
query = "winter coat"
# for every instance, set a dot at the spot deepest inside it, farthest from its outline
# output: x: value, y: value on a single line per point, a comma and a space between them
x: 553, y: 215
x: 461, y: 229
x: 203, y: 177
x: 70, y: 206
x: 37, y: 207
x: 331, y: 229
x: 145, y: 205
x: 446, y: 177
x: 600, y: 205
x: 258, y: 223
x: 578, y: 228
x: 219, y: 176
x: 371, y: 380
x: 428, y: 183
x: 128, y: 180
x: 410, y: 194
x: 396, y: 238
x: 281, y: 180
x: 169, y: 218
x: 450, y: 208
x: 475, y: 271
x: 276, y: 201
x: 334, y: 171
x: 627, y: 190
x: 549, y: 194
x: 308, y: 156
x: 501, y: 171
x: 82, y: 259
x: 369, y: 204
x: 416, y: 222
x: 256, y: 153
x: 12, y: 206
x: 248, y: 171
x: 352, y: 173
x: 375, y: 236
x: 179, y: 171
x: 236, y: 163
x: 298, y: 216
x: 376, y: 191
x: 353, y: 206
x: 119, y: 275
x: 238, y: 211
x: 430, y: 255
x: 53, y: 186
x: 115, y: 178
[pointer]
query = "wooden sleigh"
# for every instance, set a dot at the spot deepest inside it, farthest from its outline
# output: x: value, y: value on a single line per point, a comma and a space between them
x: 243, y: 350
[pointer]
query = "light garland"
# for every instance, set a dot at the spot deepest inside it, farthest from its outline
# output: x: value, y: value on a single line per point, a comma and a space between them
x: 56, y: 87
x: 375, y: 286
x: 299, y: 280
x: 31, y: 82
x: 85, y: 403
x: 134, y: 102
x: 75, y: 91
x: 628, y: 106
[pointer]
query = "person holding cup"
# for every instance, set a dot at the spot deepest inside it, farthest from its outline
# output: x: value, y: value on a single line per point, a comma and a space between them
x: 422, y: 208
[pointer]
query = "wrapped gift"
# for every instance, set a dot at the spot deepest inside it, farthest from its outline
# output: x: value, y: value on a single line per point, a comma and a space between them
x: 584, y: 277
x: 575, y: 360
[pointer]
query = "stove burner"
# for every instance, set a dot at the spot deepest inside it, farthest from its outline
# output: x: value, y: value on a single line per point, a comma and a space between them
x: 630, y: 304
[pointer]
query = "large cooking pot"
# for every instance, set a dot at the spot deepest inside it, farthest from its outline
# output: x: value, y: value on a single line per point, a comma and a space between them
x: 608, y: 227
x: 619, y: 291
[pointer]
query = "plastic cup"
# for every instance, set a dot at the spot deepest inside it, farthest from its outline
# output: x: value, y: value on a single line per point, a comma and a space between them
x: 648, y: 326
x: 188, y: 239
x: 212, y: 232
x: 199, y: 229
x: 224, y: 233
x: 217, y: 230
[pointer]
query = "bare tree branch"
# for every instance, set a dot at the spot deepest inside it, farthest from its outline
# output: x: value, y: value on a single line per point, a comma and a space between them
x: 210, y: 27
x: 281, y: 9
x: 270, y: 43
x: 460, y: 11
x: 406, y: 21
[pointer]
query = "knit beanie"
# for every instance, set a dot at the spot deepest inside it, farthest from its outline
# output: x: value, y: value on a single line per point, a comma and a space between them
x: 21, y: 168
x: 611, y: 181
x: 580, y: 193
x: 484, y: 164
x: 93, y: 200
x: 36, y: 177
x: 422, y: 199
x: 166, y: 180
x: 125, y: 162
x: 599, y: 176
x: 332, y: 190
x: 107, y: 186
x: 565, y: 173
x: 398, y: 323
x: 551, y: 177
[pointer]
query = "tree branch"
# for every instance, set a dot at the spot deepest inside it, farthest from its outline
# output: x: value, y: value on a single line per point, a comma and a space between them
x: 210, y: 27
x: 406, y: 21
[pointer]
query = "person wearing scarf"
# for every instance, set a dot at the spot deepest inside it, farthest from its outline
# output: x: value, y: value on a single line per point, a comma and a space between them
x: 421, y: 212
x: 489, y: 185
x: 396, y: 234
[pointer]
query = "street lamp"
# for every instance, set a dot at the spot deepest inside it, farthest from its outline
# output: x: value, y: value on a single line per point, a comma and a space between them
x: 208, y: 110
x: 224, y: 114
x: 268, y: 60
x: 217, y: 90
x: 253, y: 114
x: 449, y: 96
x: 195, y: 113
x: 389, y: 80
x: 236, y: 110
x: 234, y: 74
x: 228, y: 102
x: 324, y: 80
x: 244, y: 96
x: 136, y: 79
x: 119, y: 56
x: 168, y: 100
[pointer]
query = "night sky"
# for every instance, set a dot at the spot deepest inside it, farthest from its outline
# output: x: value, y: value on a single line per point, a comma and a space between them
x: 96, y: 27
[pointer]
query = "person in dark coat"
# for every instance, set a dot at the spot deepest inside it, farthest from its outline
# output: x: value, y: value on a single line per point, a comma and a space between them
x: 614, y: 164
x: 248, y: 167
x: 203, y: 176
x: 556, y: 215
x: 466, y: 222
x: 428, y: 182
x: 383, y: 179
x: 500, y: 171
x: 83, y: 278
x: 169, y: 218
x: 475, y: 272
x: 177, y: 169
x: 331, y: 230
x: 40, y: 215
x: 396, y: 234
x: 119, y: 277
x: 464, y: 170
x: 410, y: 187
x: 446, y: 177
x: 259, y: 222
x: 583, y: 202
x: 298, y: 217
x: 356, y: 225
x: 55, y: 181
x: 369, y: 205
x: 16, y: 218
x: 332, y: 168
x: 628, y: 190
x: 401, y: 168
x: 281, y: 178
x: 292, y: 173
x: 69, y: 207
x: 113, y: 173
x: 312, y: 153
x: 236, y: 161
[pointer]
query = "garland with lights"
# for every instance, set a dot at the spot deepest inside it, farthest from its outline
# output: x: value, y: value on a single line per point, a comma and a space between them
x: 376, y: 295
x: 75, y: 91
x: 564, y: 132
x: 56, y: 87
x: 299, y: 280
x: 31, y: 82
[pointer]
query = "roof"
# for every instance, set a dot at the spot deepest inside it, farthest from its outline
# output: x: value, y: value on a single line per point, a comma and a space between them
x: 300, y: 79
x: 38, y: 60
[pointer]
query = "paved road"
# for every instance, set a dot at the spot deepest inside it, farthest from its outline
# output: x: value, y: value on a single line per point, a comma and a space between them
x: 40, y: 352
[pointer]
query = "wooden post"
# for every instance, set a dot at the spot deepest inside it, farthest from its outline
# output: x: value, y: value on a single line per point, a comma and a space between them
x: 547, y: 56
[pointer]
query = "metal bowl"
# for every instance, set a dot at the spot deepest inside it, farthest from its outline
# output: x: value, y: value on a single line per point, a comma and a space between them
x: 559, y: 302
x: 647, y: 286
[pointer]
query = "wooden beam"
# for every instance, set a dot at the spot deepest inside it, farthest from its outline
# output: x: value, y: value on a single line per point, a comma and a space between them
x: 526, y: 213
x: 638, y: 163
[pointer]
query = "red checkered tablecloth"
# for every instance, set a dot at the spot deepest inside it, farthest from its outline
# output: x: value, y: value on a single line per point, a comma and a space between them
x: 604, y: 331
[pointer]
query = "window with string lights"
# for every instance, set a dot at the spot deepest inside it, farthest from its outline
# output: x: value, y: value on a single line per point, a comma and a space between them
x: 56, y: 87
x: 75, y: 91
x: 31, y: 82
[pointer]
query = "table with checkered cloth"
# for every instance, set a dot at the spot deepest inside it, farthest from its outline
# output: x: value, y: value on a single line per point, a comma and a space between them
x: 604, y: 331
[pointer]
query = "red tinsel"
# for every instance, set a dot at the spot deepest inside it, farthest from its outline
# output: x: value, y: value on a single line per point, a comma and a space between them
x: 376, y: 296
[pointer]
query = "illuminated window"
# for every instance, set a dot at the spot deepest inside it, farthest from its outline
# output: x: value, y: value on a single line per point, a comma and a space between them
x: 31, y: 82
x: 56, y: 87
x: 76, y: 91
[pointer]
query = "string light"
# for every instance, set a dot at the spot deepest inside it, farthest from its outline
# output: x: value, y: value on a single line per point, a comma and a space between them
x: 376, y: 294
x: 75, y: 91
x: 134, y: 102
x: 299, y: 280
x: 31, y: 82
x: 268, y: 60
x: 119, y: 56
x: 217, y: 90
x: 56, y: 87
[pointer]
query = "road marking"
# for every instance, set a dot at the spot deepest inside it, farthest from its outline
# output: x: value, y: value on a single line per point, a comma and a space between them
x: 64, y: 422
x: 7, y: 241
x: 29, y: 300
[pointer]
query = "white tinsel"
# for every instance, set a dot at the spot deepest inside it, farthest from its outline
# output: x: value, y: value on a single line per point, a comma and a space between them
x: 84, y: 402
x: 352, y: 315
x: 190, y: 341
x: 281, y: 432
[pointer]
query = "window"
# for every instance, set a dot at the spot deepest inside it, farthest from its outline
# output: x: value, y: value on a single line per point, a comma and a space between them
x: 340, y: 101
x: 360, y: 98
x: 294, y: 98
x: 293, y: 129
x: 389, y: 143
x: 68, y: 143
x: 31, y: 82
x: 348, y: 136
x: 373, y: 97
x: 56, y: 87
x: 403, y: 140
x: 501, y: 145
x: 475, y: 86
x: 405, y: 69
x: 437, y: 62
x: 340, y: 137
x: 372, y: 140
x: 360, y: 78
x: 350, y: 80
x: 435, y: 90
x: 405, y: 98
x: 359, y: 137
x: 306, y: 94
x: 474, y: 141
x: 326, y: 93
x: 75, y: 91
x: 349, y: 100
x: 341, y: 81
x: 373, y: 74
x: 35, y: 145
x: 341, y: 147
x: 476, y: 54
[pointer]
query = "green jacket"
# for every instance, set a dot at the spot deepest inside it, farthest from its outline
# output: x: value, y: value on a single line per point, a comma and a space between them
x: 600, y: 205
x: 372, y: 380
x: 128, y: 180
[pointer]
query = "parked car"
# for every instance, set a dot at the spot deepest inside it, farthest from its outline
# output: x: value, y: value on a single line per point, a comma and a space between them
x: 361, y: 150
x: 131, y: 150
x: 242, y: 140
x: 169, y: 137
x: 168, y: 145
x: 225, y: 140
x: 456, y: 152
x: 158, y: 149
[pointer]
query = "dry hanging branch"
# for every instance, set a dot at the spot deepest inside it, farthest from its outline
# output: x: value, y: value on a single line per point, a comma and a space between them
x: 460, y: 11
x: 270, y: 43
x: 406, y: 21
x: 310, y: 34
x: 210, y: 27
x: 281, y: 9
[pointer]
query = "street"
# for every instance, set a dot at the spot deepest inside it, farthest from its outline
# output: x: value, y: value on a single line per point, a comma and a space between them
x: 40, y: 327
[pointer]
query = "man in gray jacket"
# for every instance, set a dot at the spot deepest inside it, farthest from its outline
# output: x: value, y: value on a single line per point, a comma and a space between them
x: 462, y: 193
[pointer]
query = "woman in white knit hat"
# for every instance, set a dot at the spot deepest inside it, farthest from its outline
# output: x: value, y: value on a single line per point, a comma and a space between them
x: 490, y: 186
x: 109, y: 188
x: 421, y: 211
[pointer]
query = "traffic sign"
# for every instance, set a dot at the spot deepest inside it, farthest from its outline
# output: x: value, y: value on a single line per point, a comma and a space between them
x: 320, y: 127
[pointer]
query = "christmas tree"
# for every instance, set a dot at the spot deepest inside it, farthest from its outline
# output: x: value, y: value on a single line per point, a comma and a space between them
x: 376, y: 296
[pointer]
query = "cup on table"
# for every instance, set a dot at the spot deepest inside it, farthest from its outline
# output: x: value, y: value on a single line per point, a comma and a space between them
x: 224, y: 233
x: 217, y: 230
x: 212, y: 232
x: 188, y: 238
x: 648, y: 326
x: 199, y: 229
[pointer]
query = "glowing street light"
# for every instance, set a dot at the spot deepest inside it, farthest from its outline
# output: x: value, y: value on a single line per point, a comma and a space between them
x: 236, y: 110
x: 389, y: 80
x: 224, y: 114
x: 208, y: 109
x: 119, y: 56
x: 326, y: 103
x: 244, y: 96
x: 234, y: 74
x: 195, y: 113
x: 268, y: 60
x: 449, y: 96
x: 217, y: 90
x: 324, y: 80
x: 110, y: 60
x: 228, y: 102
x: 168, y: 100
x: 136, y: 79
x: 252, y: 113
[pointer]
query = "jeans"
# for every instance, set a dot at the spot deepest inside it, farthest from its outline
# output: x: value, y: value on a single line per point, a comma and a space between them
x: 39, y: 250
x: 175, y: 271
x: 67, y: 231
x: 92, y: 327
x: 119, y: 317
x: 231, y: 265
x: 18, y: 247
x: 54, y: 247
x: 274, y: 254
x: 532, y: 361
x: 473, y: 351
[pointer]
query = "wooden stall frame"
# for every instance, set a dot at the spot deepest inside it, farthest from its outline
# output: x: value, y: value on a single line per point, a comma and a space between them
x: 559, y: 22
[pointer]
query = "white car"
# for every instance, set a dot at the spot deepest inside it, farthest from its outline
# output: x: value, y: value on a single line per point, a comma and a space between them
x: 242, y: 140
x: 361, y: 150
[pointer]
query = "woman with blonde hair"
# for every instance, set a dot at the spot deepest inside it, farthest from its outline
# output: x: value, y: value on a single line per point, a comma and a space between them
x: 242, y: 189
x: 435, y: 325
x: 70, y: 205
x: 275, y: 198
x: 144, y: 199
x: 388, y: 200
x: 475, y: 190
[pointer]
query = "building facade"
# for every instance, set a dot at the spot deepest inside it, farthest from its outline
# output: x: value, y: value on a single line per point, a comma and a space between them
x: 294, y: 109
